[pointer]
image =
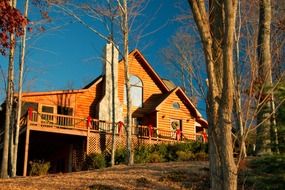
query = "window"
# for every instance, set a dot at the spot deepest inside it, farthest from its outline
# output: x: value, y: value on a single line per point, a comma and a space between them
x: 176, y: 105
x: 64, y: 121
x: 136, y: 91
x: 47, y: 112
x: 64, y: 110
x: 47, y: 109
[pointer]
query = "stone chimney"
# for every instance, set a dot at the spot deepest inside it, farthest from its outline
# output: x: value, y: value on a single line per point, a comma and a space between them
x: 105, y: 105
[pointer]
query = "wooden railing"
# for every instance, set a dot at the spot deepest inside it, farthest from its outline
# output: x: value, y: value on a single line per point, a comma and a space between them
x: 67, y: 122
x: 55, y: 120
x: 161, y: 134
x: 103, y: 126
x: 94, y: 125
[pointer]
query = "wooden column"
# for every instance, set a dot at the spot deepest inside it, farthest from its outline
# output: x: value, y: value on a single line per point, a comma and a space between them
x: 87, y: 140
x: 70, y: 158
x: 26, y: 156
x: 88, y: 124
x: 156, y: 121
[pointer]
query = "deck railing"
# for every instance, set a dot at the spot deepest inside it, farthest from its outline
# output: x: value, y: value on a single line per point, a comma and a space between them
x: 55, y: 120
x: 94, y: 125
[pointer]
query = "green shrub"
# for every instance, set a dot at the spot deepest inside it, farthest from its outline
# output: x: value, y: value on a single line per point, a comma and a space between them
x: 161, y: 149
x: 94, y: 161
x: 171, y: 152
x: 120, y: 156
x: 155, y: 157
x: 39, y: 167
x: 107, y: 156
x: 185, y: 156
x: 187, y: 146
x: 267, y: 172
x: 199, y: 147
x: 201, y: 156
x: 269, y: 164
x: 168, y: 152
x: 142, y: 154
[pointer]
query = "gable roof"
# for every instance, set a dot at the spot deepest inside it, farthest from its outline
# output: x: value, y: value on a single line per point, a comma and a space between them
x: 144, y: 63
x: 169, y: 84
x: 184, y: 98
x: 51, y: 92
x: 84, y: 89
x: 93, y: 82
x: 154, y: 100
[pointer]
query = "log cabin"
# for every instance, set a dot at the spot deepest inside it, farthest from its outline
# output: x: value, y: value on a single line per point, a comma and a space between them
x: 63, y: 126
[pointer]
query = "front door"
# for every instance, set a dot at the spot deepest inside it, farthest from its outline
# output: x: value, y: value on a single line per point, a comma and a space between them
x: 175, y: 124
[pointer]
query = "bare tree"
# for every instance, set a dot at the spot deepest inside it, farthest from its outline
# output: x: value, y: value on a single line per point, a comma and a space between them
x: 20, y: 88
x: 252, y: 96
x: 265, y: 77
x: 9, y: 103
x: 216, y: 30
x: 125, y: 30
x: 189, y: 67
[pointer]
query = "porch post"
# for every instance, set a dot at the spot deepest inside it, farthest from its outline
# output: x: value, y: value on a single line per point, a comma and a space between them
x: 156, y: 121
x: 26, y: 151
x: 70, y: 157
x: 88, y: 134
x: 87, y: 141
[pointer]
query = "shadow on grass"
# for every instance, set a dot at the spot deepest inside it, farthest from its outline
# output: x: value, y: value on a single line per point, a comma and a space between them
x: 267, y: 173
x: 188, y: 179
x: 104, y: 187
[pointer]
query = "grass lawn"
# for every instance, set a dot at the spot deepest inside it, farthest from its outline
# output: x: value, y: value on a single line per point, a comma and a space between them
x: 258, y: 173
x: 168, y: 175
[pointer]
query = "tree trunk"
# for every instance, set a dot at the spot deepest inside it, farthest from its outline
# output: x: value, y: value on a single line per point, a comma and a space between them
x: 237, y: 95
x: 263, y: 142
x: 216, y: 31
x: 125, y: 30
x: 9, y: 104
x: 113, y: 147
x: 20, y: 88
x: 226, y: 105
x: 239, y: 118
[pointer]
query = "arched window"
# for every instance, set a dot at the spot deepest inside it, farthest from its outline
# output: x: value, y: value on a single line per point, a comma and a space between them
x: 136, y: 91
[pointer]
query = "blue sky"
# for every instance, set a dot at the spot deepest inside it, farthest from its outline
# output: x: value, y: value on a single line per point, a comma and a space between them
x: 70, y: 56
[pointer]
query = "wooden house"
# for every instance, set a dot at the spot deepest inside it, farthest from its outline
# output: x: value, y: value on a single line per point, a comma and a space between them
x: 63, y: 126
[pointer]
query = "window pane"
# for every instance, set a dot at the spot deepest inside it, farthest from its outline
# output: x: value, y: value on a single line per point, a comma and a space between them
x: 135, y: 81
x: 64, y: 110
x: 136, y: 94
x: 47, y: 109
x: 136, y: 91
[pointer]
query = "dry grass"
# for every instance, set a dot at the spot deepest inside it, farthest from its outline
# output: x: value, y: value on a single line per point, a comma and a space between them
x: 172, y: 175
